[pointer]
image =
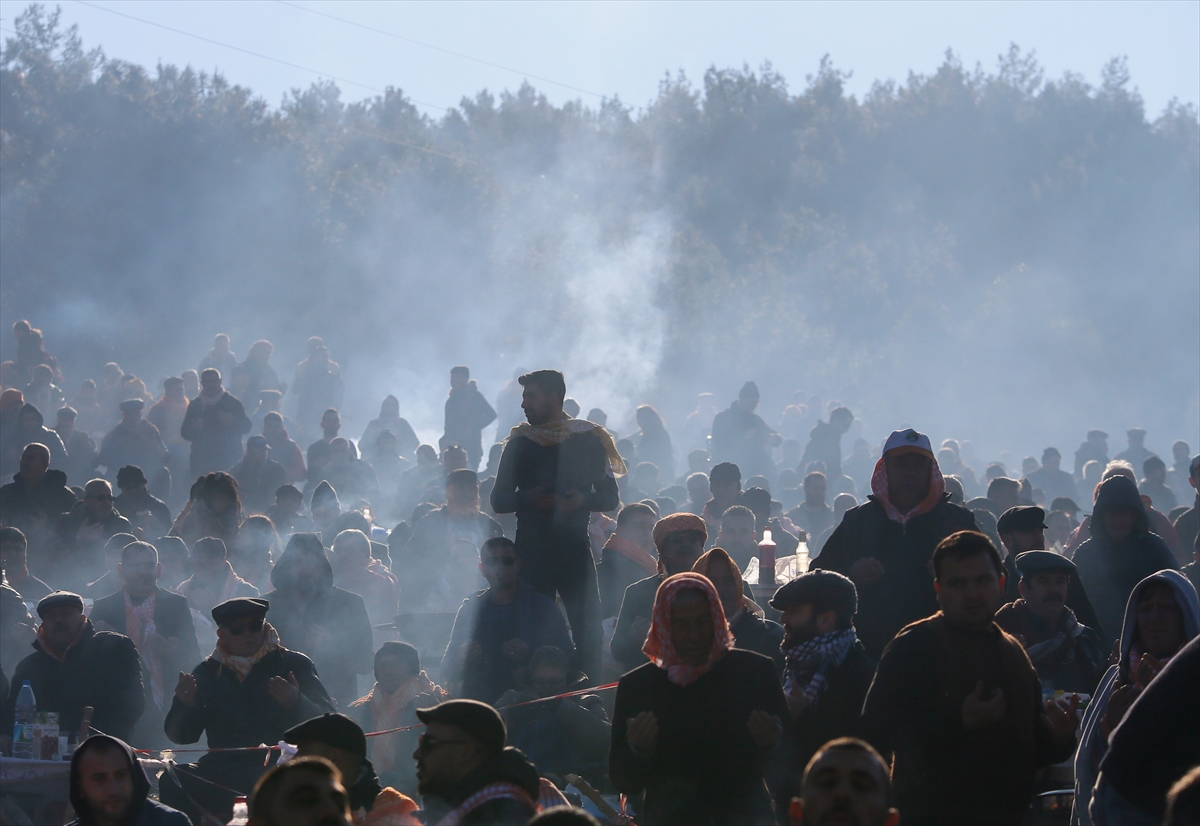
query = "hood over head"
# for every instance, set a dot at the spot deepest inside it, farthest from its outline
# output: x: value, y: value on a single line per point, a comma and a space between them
x: 141, y: 786
x: 301, y: 545
x: 1118, y: 492
x: 1185, y: 595
x: 26, y: 408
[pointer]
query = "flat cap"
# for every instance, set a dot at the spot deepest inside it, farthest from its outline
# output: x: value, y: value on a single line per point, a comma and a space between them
x: 825, y: 590
x: 1096, y: 434
x: 58, y: 599
x: 332, y: 729
x: 257, y: 443
x: 477, y: 719
x: 675, y: 523
x: 232, y: 609
x: 908, y: 441
x: 1036, y: 562
x: 130, y: 475
x: 1064, y: 503
x: 132, y: 404
x: 1021, y: 518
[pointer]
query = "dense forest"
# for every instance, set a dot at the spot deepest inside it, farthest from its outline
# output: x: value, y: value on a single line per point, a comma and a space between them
x: 945, y: 251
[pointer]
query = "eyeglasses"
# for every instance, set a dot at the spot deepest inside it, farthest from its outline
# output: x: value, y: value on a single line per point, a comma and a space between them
x: 501, y: 560
x: 253, y: 627
x: 427, y: 743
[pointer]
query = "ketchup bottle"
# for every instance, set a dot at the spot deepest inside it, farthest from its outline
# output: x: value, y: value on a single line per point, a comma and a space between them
x: 766, y: 560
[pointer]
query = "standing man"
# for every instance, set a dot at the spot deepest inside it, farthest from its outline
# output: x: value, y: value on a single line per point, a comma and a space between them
x: 467, y: 414
x: 554, y: 472
x: 958, y: 705
x: 134, y: 441
x: 1051, y: 479
x: 740, y: 435
x: 884, y: 545
x: 215, y: 423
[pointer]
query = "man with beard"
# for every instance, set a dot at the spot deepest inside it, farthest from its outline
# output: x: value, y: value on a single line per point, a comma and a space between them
x: 554, y: 473
x: 958, y: 705
x: 72, y: 666
x: 215, y: 423
x: 464, y: 772
x: 109, y: 788
x: 827, y: 673
x: 1022, y: 529
x: 846, y: 782
x: 1068, y: 655
x: 249, y: 691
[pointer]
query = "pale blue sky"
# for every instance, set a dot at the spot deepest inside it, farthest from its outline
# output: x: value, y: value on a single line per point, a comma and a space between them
x: 624, y: 48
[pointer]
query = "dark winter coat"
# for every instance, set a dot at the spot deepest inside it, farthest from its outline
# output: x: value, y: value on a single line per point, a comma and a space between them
x: 101, y: 670
x: 21, y: 504
x: 905, y: 593
x: 215, y: 445
x: 510, y: 767
x: 1109, y: 570
x: 172, y: 620
x: 705, y: 768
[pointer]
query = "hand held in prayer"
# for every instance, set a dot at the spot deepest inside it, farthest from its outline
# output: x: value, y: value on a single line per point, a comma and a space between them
x: 1118, y: 703
x: 573, y: 501
x: 1060, y: 714
x: 765, y: 729
x: 1147, y: 669
x: 642, y: 732
x: 542, y: 499
x: 978, y: 711
x: 796, y: 704
x: 866, y: 571
x: 516, y: 650
x: 285, y: 692
x: 185, y: 689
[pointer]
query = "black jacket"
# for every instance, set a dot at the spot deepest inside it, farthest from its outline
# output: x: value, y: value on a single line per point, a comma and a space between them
x: 1109, y: 570
x: 129, y: 507
x: 172, y: 619
x: 705, y: 768
x: 762, y: 636
x: 20, y: 504
x: 101, y: 670
x: 905, y: 593
x: 142, y: 810
x: 215, y: 446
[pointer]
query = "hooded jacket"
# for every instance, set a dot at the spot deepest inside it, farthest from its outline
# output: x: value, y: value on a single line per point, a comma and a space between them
x: 1093, y: 743
x: 43, y: 434
x: 348, y: 651
x: 142, y: 811
x: 1108, y: 569
x: 21, y: 504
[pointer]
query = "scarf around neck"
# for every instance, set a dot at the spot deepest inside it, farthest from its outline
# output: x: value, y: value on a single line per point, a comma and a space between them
x: 809, y: 663
x: 243, y: 665
x: 557, y: 432
x: 660, y: 645
x: 634, y: 553
x: 388, y: 712
x: 1068, y: 629
x: 139, y: 625
x: 879, y: 487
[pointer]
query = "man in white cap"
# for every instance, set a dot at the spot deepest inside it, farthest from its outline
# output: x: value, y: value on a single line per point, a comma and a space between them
x: 885, y: 544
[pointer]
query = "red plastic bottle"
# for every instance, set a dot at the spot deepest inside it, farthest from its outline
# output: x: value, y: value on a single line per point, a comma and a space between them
x: 766, y: 560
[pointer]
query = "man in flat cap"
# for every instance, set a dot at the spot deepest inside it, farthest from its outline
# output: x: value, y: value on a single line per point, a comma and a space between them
x: 1023, y: 529
x: 258, y: 476
x: 341, y: 741
x: 134, y: 441
x: 1068, y: 655
x: 72, y: 666
x: 137, y: 505
x: 250, y: 690
x: 679, y: 539
x: 464, y: 771
x: 739, y: 435
x: 885, y: 544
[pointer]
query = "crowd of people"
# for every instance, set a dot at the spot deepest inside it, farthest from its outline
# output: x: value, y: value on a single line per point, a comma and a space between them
x: 388, y: 632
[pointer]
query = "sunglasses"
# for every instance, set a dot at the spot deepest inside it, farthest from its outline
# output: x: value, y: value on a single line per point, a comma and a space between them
x: 253, y: 627
x: 508, y: 561
x: 427, y: 743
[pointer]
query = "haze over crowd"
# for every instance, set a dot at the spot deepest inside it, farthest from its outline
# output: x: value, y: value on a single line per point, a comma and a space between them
x: 991, y: 255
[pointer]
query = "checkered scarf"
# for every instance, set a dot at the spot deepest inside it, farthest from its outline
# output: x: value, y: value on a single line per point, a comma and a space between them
x: 809, y: 663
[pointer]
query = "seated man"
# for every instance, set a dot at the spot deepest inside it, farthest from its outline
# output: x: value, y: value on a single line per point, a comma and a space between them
x: 828, y: 673
x: 466, y: 774
x: 287, y: 512
x: 14, y: 560
x: 160, y: 625
x: 1022, y: 529
x: 137, y: 505
x: 498, y: 629
x: 110, y: 581
x: 628, y: 555
x: 73, y: 666
x: 739, y: 535
x: 303, y: 792
x: 258, y: 476
x: 82, y: 532
x: 109, y: 788
x: 565, y: 736
x: 846, y: 781
x: 341, y: 741
x: 680, y: 540
x: 250, y: 690
x: 351, y: 559
x: 750, y: 631
x: 212, y: 582
x: 401, y: 687
x: 1068, y: 655
x: 693, y: 727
